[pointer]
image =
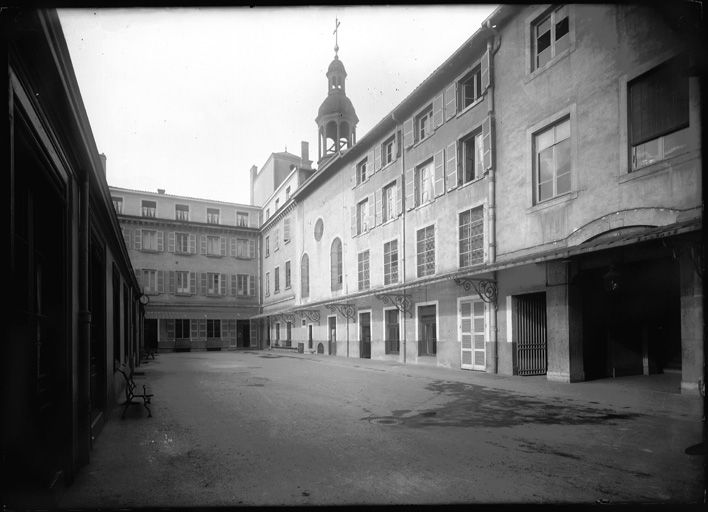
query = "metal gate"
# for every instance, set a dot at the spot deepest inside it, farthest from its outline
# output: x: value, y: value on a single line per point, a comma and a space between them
x: 530, y: 333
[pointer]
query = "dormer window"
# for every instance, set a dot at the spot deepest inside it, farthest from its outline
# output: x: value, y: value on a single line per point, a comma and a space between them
x: 181, y: 212
x: 149, y: 208
x: 212, y: 216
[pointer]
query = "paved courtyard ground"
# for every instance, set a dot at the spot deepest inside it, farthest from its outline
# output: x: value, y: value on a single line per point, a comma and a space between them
x: 274, y: 428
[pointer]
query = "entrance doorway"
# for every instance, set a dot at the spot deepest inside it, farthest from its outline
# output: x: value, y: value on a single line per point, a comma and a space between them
x: 531, y: 333
x: 332, y: 334
x: 309, y: 336
x: 427, y: 330
x: 365, y: 335
x: 151, y: 334
x: 243, y: 333
x: 472, y: 334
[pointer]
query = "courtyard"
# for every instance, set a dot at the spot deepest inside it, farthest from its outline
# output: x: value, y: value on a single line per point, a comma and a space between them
x: 281, y: 428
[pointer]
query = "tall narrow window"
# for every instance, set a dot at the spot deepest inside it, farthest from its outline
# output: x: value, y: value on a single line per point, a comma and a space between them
x: 242, y: 219
x: 471, y: 237
x: 424, y: 123
x: 287, y: 275
x: 149, y: 242
x: 361, y: 169
x: 387, y: 150
x: 427, y: 330
x: 363, y: 270
x: 551, y: 35
x: 242, y: 248
x: 471, y: 157
x: 362, y: 210
x: 213, y: 283
x: 213, y: 245
x: 118, y: 204
x: 388, y: 198
x: 276, y: 280
x: 182, y: 284
x: 424, y: 183
x: 469, y: 88
x: 305, y: 276
x: 267, y: 284
x: 149, y: 208
x: 552, y: 161
x: 149, y: 281
x: 182, y: 243
x: 391, y: 262
x: 181, y: 212
x: 267, y: 246
x: 213, y: 328
x: 182, y: 329
x: 212, y: 216
x: 426, y: 251
x: 242, y: 284
x: 335, y: 257
x: 392, y: 331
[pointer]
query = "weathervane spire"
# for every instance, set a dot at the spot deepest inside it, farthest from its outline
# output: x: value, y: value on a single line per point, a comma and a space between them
x: 336, y: 39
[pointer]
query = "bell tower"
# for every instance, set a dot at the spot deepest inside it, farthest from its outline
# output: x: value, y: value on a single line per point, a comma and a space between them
x: 336, y: 119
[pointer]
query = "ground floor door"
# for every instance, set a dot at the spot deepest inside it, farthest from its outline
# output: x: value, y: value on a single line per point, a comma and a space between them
x: 150, y: 333
x: 365, y: 335
x: 472, y: 324
x: 243, y: 333
x: 531, y: 334
x: 309, y: 336
x: 332, y: 334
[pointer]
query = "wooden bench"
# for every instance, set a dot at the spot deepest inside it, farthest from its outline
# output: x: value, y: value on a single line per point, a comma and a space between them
x: 132, y: 394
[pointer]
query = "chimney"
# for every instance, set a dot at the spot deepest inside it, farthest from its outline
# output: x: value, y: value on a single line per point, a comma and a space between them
x: 103, y: 163
x: 160, y: 190
x: 305, y: 154
x: 254, y: 172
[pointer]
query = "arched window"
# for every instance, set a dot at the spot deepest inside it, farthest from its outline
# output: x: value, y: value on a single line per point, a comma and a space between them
x: 305, y: 276
x: 335, y: 256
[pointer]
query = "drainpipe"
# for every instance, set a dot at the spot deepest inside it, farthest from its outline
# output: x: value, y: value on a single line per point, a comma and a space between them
x: 84, y: 351
x: 403, y: 228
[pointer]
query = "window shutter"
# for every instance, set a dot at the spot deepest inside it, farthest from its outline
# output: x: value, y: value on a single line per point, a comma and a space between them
x: 353, y: 211
x: 439, y: 163
x: 286, y: 229
x: 232, y: 247
x: 202, y: 328
x: 126, y: 237
x: 138, y: 239
x: 396, y: 144
x: 233, y: 286
x: 222, y: 284
x: 485, y: 71
x: 370, y: 164
x: 252, y: 249
x: 171, y: 286
x: 202, y: 244
x: 251, y: 285
x: 451, y: 101
x: 193, y: 283
x: 410, y: 188
x: 160, y: 241
x: 170, y: 329
x: 408, y: 133
x: 203, y: 283
x: 353, y: 176
x: 451, y: 165
x: 194, y: 328
x: 160, y: 281
x: 377, y: 158
x: 487, y: 142
x: 438, y: 110
x: 193, y: 244
x: 399, y: 196
x: 222, y: 244
x: 370, y: 212
x: 170, y: 241
x: 379, y: 206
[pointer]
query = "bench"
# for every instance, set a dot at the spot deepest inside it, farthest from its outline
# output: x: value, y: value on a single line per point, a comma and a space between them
x: 132, y: 394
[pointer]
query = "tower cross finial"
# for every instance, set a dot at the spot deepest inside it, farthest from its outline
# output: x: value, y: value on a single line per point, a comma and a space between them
x: 336, y: 35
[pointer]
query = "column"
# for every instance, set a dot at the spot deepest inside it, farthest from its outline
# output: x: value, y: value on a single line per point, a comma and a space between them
x: 691, y: 293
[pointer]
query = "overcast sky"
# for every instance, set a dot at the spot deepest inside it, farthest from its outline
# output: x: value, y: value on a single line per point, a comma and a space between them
x: 189, y: 99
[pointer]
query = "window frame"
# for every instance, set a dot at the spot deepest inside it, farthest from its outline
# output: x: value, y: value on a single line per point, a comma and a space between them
x: 212, y: 324
x: 434, y: 250
x: 239, y: 218
x: 419, y: 305
x: 276, y: 280
x: 244, y: 278
x: 181, y: 235
x: 117, y: 204
x: 182, y: 212
x: 469, y: 208
x: 390, y: 142
x: 210, y: 216
x: 362, y: 210
x: 143, y: 245
x: 215, y: 279
x: 340, y: 266
x: 537, y: 161
x: 362, y: 170
x: 462, y: 142
x: 364, y: 270
x: 385, y: 325
x: 147, y: 209
x: 288, y: 275
x: 209, y: 240
x: 178, y: 290
x: 474, y: 74
x: 388, y: 280
x: 531, y: 21
x: 418, y: 181
x: 180, y: 326
x: 424, y: 116
x: 387, y: 204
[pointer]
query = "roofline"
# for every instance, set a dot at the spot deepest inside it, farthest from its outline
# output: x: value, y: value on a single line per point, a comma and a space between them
x: 156, y: 194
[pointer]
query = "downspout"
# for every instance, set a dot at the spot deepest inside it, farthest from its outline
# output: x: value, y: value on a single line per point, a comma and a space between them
x: 491, y: 192
x: 84, y: 352
x: 403, y: 227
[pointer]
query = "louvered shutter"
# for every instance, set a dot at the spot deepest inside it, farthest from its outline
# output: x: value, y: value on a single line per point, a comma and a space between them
x: 370, y: 164
x: 370, y: 212
x: 160, y: 241
x: 451, y: 101
x: 202, y: 328
x: 234, y: 289
x: 193, y: 244
x: 222, y: 284
x: 408, y: 133
x: 396, y: 144
x: 252, y: 285
x: 451, y: 165
x: 138, y: 239
x: 160, y: 281
x: 379, y: 206
x: 286, y: 229
x: 170, y: 329
x: 354, y: 208
x: 171, y: 241
x: 202, y: 283
x: 126, y: 237
x: 438, y: 110
x: 487, y: 142
x: 485, y: 72
x: 222, y: 244
x: 193, y: 283
x: 171, y: 286
x: 252, y: 249
x: 439, y: 162
x: 399, y: 196
x: 194, y: 328
x: 410, y: 188
x: 377, y: 158
x: 202, y: 244
x: 232, y: 247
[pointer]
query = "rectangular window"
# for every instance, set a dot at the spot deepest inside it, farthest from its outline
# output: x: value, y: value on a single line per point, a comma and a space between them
x: 276, y: 280
x: 552, y: 161
x: 658, y: 113
x: 213, y: 328
x: 361, y: 168
x: 388, y: 205
x: 267, y: 213
x: 267, y: 283
x: 213, y: 283
x: 242, y: 248
x: 149, y: 281
x: 277, y: 203
x: 181, y: 212
x: 550, y: 36
x: 363, y: 258
x: 286, y: 230
x: 471, y: 157
x: 242, y: 219
x: 267, y: 246
x: 392, y: 331
x: 426, y: 251
x: 424, y: 183
x: 149, y: 208
x: 149, y: 242
x: 181, y: 329
x: 427, y: 331
x: 212, y: 216
x: 276, y: 239
x: 287, y: 275
x: 362, y: 210
x: 424, y: 123
x: 387, y: 151
x: 182, y: 278
x: 469, y: 88
x: 118, y: 204
x: 242, y: 284
x: 182, y: 243
x: 213, y: 245
x: 471, y: 237
x: 391, y: 262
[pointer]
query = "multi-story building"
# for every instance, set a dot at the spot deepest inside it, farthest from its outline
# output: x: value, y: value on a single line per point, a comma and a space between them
x: 532, y: 207
x: 197, y: 261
